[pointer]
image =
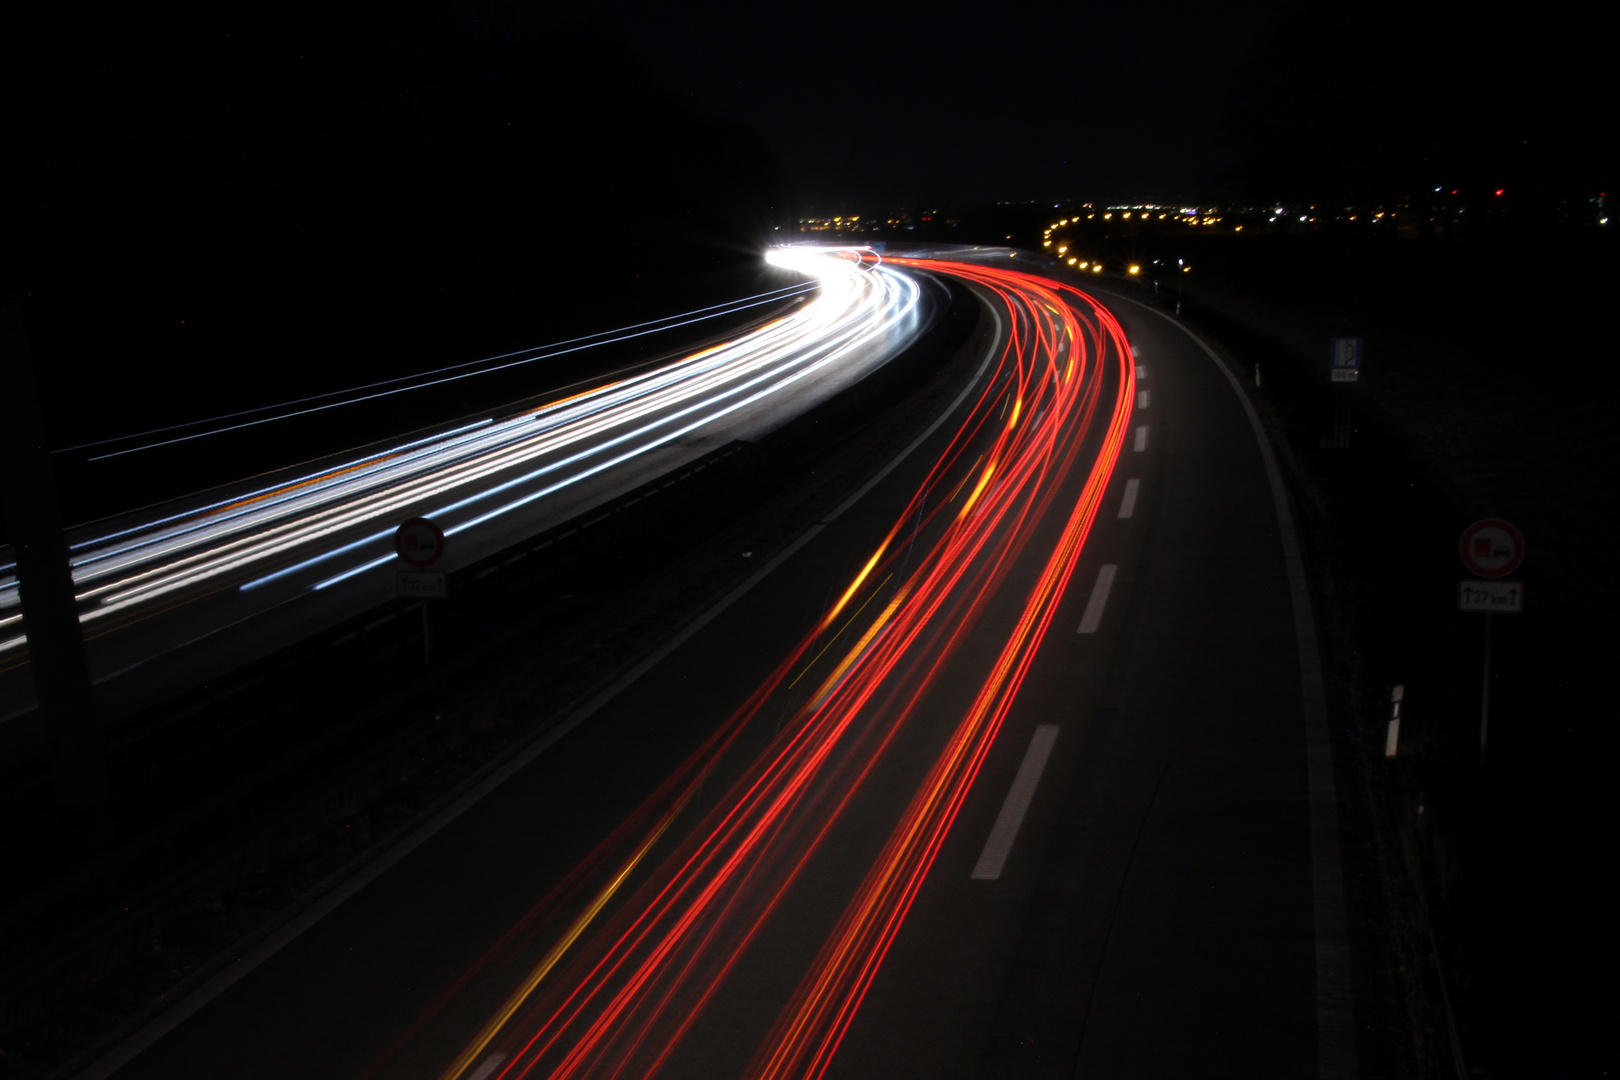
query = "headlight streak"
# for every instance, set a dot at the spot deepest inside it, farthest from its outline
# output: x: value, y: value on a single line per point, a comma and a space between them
x: 634, y: 989
x: 667, y: 437
x: 857, y: 305
x: 427, y: 378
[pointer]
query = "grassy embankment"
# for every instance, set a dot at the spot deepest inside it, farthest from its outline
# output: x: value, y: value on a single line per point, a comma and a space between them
x: 1485, y: 393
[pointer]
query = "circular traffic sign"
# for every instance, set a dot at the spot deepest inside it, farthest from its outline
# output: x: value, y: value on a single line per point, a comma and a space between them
x: 1491, y: 548
x: 419, y: 542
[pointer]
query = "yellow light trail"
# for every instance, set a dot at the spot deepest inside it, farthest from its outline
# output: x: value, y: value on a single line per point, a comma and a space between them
x: 549, y: 961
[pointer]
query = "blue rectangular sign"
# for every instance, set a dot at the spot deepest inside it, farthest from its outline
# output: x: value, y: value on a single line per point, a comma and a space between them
x: 1345, y: 353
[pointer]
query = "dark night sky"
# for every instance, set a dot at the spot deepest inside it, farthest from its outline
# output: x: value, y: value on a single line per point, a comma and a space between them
x: 901, y: 103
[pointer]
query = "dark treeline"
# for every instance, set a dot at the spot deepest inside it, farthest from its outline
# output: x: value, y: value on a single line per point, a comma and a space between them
x: 1359, y: 103
x: 227, y: 206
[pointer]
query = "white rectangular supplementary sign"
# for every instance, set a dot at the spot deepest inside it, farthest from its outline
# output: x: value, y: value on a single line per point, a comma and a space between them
x: 1346, y: 375
x: 423, y: 584
x: 1502, y: 597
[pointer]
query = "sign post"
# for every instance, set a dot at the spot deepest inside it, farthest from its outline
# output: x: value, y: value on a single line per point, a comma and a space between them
x: 1490, y: 548
x: 1344, y: 366
x: 419, y: 544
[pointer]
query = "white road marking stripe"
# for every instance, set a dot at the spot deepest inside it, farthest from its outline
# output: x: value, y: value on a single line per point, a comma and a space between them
x: 487, y: 1069
x: 1144, y: 398
x: 1127, y: 505
x: 1141, y: 439
x: 160, y: 1025
x: 1099, y: 600
x: 1335, y: 1001
x: 1135, y: 351
x: 1002, y: 834
x: 1392, y: 740
x: 1141, y: 371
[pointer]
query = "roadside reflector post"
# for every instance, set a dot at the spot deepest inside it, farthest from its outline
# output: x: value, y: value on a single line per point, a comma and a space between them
x: 1392, y: 738
x: 419, y: 544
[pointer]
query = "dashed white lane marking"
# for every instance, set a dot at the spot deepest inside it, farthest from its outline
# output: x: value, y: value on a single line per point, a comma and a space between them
x: 1335, y: 1001
x: 1144, y: 398
x: 1141, y: 439
x: 1127, y: 505
x: 487, y: 1069
x: 1092, y: 617
x: 1141, y: 371
x: 1022, y: 793
x: 1135, y: 351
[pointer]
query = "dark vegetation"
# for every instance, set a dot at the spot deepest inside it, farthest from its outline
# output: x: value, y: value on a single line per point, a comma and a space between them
x: 1469, y: 409
x: 1487, y: 394
x: 1487, y: 391
x: 215, y: 208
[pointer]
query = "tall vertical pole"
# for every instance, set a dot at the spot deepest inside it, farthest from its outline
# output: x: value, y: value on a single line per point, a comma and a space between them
x: 1485, y: 691
x: 50, y: 612
x: 427, y: 636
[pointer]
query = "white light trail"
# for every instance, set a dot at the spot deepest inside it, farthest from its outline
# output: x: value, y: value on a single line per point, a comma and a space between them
x: 469, y: 476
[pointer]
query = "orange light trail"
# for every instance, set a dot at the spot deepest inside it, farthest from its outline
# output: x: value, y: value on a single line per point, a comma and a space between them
x: 635, y: 960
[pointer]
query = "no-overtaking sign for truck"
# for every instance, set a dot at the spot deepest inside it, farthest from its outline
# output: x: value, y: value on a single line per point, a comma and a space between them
x: 1491, y: 548
x: 419, y: 542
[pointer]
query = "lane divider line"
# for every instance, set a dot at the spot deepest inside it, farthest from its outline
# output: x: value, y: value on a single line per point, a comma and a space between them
x: 1141, y: 439
x: 487, y: 1069
x: 1127, y: 505
x: 1092, y: 618
x: 1144, y: 398
x: 1335, y: 1003
x: 126, y: 1051
x: 1002, y: 834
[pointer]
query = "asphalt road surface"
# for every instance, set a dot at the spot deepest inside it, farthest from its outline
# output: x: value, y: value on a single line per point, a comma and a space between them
x: 1014, y: 765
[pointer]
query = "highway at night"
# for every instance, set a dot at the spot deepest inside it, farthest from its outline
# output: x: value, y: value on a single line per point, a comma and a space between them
x: 1010, y: 765
x: 232, y: 574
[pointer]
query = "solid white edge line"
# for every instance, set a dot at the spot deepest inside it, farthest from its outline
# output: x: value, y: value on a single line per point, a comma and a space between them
x: 132, y: 1047
x: 1127, y: 504
x: 1335, y: 1006
x: 999, y: 844
x: 1092, y: 618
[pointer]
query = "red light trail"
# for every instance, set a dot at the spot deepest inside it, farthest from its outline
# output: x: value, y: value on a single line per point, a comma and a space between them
x: 999, y: 522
